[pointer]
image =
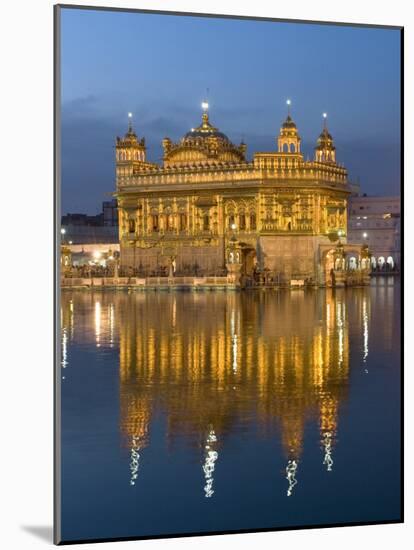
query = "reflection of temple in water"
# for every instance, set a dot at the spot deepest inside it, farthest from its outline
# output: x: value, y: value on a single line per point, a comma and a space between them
x: 215, y: 363
x: 200, y: 359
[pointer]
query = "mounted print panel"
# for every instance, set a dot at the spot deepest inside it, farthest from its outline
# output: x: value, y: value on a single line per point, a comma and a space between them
x: 229, y: 270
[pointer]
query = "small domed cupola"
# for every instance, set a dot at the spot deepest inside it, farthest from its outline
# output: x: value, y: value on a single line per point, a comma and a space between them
x: 130, y: 148
x: 289, y: 124
x: 289, y: 139
x: 325, y: 151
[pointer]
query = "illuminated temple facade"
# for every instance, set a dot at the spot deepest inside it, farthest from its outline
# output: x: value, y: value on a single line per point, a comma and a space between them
x: 208, y: 210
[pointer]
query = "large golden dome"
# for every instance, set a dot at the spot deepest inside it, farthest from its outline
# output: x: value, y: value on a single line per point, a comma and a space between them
x: 204, y: 144
x: 205, y: 130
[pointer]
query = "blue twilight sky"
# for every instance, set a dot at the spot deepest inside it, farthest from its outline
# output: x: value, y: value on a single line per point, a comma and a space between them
x: 159, y: 67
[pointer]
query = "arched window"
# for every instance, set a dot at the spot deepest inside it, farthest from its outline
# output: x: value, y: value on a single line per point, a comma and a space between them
x: 183, y: 222
x: 330, y: 261
x: 231, y: 221
x: 352, y: 263
x: 154, y: 222
x: 206, y: 222
x: 169, y: 222
x: 390, y: 262
x: 373, y: 262
x: 252, y: 220
x: 285, y: 148
x: 131, y: 226
x: 292, y: 148
x: 242, y: 221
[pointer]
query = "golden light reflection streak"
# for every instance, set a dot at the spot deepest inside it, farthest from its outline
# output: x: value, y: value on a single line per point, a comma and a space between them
x: 340, y: 323
x: 174, y: 312
x: 71, y: 319
x: 209, y: 464
x: 328, y: 315
x: 365, y: 331
x: 111, y: 325
x: 98, y: 324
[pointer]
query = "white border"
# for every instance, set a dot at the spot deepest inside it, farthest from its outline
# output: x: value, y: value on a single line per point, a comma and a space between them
x: 26, y: 269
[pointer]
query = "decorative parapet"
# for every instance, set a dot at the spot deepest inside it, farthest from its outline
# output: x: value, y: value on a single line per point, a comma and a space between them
x: 283, y: 166
x: 173, y: 175
x: 264, y: 167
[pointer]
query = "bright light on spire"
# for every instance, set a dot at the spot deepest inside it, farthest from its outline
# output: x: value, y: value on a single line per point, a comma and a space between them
x: 325, y: 115
x: 130, y: 123
x: 204, y: 105
x: 288, y: 102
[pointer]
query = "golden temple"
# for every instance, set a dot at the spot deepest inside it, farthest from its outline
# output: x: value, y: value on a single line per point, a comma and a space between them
x: 208, y: 210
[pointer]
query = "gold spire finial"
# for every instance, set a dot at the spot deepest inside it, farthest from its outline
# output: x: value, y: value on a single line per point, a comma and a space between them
x: 204, y: 106
x: 325, y: 116
x: 288, y: 103
x: 129, y: 122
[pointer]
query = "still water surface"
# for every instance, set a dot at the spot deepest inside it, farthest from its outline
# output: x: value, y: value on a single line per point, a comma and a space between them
x: 189, y: 412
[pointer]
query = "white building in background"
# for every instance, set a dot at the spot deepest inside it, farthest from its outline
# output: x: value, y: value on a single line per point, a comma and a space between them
x: 376, y: 221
